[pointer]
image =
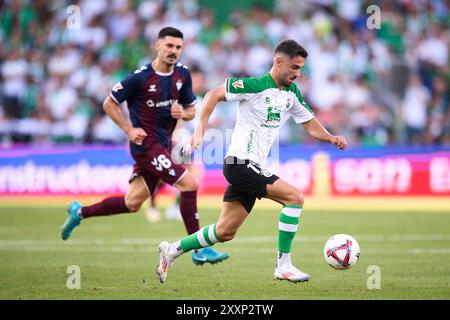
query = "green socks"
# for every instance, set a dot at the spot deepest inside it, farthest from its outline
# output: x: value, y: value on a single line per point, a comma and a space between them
x: 205, y: 237
x: 287, y: 227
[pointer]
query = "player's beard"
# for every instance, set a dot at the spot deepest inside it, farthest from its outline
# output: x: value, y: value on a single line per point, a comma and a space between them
x: 171, y: 60
x: 285, y: 82
x: 284, y: 79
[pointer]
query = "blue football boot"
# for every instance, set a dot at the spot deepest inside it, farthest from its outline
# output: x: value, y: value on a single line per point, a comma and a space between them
x: 72, y: 221
x: 208, y: 255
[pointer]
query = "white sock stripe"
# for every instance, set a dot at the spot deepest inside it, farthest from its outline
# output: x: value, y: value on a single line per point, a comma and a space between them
x: 201, y: 239
x: 211, y: 235
x: 287, y: 227
x: 291, y: 212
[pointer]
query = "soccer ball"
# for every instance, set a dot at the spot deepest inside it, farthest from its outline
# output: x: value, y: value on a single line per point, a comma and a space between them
x: 341, y: 251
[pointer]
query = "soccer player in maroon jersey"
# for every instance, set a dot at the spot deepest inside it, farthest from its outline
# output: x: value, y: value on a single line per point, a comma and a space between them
x: 158, y: 95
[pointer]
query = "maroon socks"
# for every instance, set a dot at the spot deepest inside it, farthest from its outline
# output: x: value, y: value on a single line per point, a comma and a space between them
x: 188, y: 209
x: 106, y: 207
x: 115, y: 205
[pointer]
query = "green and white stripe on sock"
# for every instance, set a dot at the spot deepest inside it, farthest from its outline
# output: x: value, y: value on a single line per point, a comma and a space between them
x: 204, y: 237
x: 287, y: 226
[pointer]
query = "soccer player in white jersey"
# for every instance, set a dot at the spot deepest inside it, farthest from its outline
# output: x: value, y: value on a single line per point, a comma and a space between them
x: 265, y: 103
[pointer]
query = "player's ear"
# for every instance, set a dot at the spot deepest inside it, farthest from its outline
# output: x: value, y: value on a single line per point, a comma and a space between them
x: 158, y: 44
x: 278, y: 60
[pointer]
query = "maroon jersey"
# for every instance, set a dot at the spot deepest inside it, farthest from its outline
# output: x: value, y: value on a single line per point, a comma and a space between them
x: 150, y: 95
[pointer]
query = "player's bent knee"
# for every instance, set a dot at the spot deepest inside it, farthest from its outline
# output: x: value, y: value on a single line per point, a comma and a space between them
x: 193, y: 184
x: 188, y: 183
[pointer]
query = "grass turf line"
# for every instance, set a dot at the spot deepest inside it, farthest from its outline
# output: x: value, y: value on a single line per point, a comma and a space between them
x: 412, y: 249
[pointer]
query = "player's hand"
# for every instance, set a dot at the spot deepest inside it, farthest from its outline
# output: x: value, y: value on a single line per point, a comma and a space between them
x: 176, y: 111
x: 339, y: 141
x: 136, y: 135
x: 194, y: 143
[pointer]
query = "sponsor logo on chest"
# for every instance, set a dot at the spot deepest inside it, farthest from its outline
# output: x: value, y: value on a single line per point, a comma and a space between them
x: 165, y: 103
x: 274, y: 110
x: 152, y: 88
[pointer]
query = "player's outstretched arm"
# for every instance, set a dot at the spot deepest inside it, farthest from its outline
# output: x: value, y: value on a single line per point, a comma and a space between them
x: 209, y: 103
x: 112, y: 109
x: 316, y: 130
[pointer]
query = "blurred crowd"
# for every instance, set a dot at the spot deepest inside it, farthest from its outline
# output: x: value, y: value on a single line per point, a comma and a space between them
x: 379, y: 82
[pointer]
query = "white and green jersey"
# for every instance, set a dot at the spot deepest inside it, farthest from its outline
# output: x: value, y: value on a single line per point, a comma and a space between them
x: 263, y: 109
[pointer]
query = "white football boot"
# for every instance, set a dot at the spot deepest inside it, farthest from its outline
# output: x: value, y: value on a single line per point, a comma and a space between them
x: 288, y: 272
x: 165, y: 261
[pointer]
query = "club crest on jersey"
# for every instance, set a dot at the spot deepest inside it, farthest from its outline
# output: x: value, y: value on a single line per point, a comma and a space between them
x: 179, y: 84
x: 288, y: 104
x: 238, y: 84
x: 117, y: 87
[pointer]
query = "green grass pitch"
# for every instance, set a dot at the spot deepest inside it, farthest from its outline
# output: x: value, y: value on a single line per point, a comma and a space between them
x: 117, y: 257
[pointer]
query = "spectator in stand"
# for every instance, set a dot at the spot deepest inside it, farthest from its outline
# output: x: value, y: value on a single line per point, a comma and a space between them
x: 114, y: 36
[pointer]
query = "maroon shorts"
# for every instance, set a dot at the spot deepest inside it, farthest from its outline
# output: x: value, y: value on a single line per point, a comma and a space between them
x: 157, y: 164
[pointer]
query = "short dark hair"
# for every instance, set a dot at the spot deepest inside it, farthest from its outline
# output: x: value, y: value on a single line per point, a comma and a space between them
x: 171, y: 32
x: 291, y: 48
